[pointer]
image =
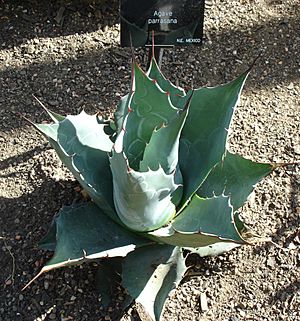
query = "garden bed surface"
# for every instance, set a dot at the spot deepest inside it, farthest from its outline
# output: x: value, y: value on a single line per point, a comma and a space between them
x: 68, y: 55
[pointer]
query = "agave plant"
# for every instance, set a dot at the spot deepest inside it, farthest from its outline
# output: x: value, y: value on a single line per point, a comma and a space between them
x: 160, y: 179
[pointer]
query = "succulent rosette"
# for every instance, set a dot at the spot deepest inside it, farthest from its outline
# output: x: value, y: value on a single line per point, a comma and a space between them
x: 160, y: 179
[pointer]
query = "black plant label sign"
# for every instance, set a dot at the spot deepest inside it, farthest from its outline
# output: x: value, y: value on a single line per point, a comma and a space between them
x: 174, y: 22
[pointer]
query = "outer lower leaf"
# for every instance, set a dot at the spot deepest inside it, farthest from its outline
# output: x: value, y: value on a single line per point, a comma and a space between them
x: 163, y: 146
x: 82, y: 145
x: 74, y: 132
x: 142, y: 200
x: 176, y: 93
x: 203, y: 222
x: 150, y: 273
x: 150, y: 108
x: 204, y: 135
x: 84, y: 232
x: 234, y: 176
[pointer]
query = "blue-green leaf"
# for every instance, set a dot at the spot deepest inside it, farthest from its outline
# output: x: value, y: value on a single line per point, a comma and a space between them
x: 150, y: 273
x: 48, y: 130
x: 149, y: 108
x: 176, y: 93
x: 234, y: 176
x: 204, y: 135
x: 203, y: 222
x: 142, y: 200
x: 75, y: 132
x: 163, y: 146
x: 84, y: 232
x: 48, y: 242
x: 83, y: 145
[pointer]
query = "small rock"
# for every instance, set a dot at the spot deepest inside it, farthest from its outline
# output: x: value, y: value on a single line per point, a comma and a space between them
x: 292, y: 246
x: 46, y: 285
x: 242, y: 313
x: 29, y: 49
x: 196, y: 292
x: 271, y: 262
x: 53, y: 103
x: 297, y: 149
x: 203, y: 301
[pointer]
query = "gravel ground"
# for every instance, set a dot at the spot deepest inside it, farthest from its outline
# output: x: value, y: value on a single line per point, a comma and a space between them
x: 70, y: 58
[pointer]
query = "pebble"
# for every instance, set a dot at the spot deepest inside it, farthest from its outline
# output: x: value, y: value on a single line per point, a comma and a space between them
x: 271, y: 262
x: 46, y: 285
x: 242, y: 313
x: 297, y: 149
x: 203, y: 302
x: 53, y: 103
x: 30, y: 49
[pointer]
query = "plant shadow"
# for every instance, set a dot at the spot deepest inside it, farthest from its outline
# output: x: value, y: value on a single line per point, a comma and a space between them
x: 24, y: 20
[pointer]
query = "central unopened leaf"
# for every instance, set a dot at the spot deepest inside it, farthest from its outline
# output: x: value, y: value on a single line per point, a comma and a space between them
x: 150, y: 107
x: 142, y: 200
x: 162, y: 149
x: 176, y: 93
